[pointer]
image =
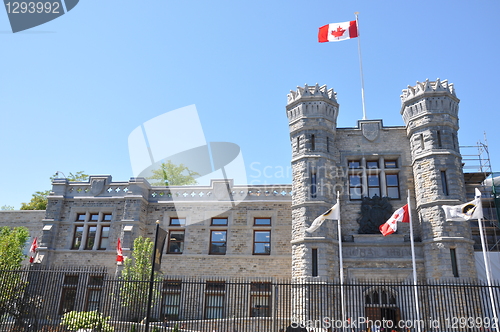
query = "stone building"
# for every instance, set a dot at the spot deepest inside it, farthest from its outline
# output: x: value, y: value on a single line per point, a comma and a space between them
x: 259, y: 231
x: 229, y: 231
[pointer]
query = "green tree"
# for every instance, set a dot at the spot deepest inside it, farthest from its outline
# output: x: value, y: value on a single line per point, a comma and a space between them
x: 38, y: 201
x: 170, y: 174
x: 12, y: 242
x: 39, y: 198
x: 6, y: 208
x: 136, y: 272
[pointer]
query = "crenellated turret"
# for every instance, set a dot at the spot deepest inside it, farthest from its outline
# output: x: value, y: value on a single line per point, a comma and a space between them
x: 430, y: 111
x: 312, y: 115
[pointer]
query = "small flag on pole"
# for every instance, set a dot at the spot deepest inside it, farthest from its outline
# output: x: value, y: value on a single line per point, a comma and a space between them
x: 119, y: 251
x: 33, y: 248
x: 338, y: 31
x: 467, y: 211
x: 333, y: 214
x: 391, y: 225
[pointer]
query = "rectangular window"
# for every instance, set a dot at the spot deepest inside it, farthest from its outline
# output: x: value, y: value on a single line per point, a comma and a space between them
x: 91, y: 233
x: 390, y: 164
x: 298, y: 144
x: 314, y: 262
x: 215, y: 293
x: 313, y: 143
x: 355, y: 188
x: 218, y: 242
x: 372, y: 164
x: 175, y: 242
x: 104, y: 241
x: 68, y: 294
x: 354, y: 164
x: 77, y: 237
x: 444, y: 183
x: 422, y: 144
x: 262, y: 242
x: 440, y: 144
x: 177, y: 221
x: 373, y: 185
x: 171, y: 300
x: 392, y: 183
x: 94, y: 291
x: 219, y: 222
x: 260, y: 299
x: 262, y: 222
x: 328, y: 144
x: 454, y: 266
x: 313, y: 185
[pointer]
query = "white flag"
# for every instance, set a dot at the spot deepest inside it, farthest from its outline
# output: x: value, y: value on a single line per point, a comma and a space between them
x: 467, y: 211
x: 333, y: 213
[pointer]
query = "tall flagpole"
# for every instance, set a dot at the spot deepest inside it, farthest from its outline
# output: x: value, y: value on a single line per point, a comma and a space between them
x: 487, y: 266
x: 151, y: 279
x: 361, y: 68
x: 413, y: 263
x: 341, y: 263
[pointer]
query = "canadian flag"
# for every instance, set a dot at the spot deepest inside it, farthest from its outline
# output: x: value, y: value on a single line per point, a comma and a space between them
x: 391, y: 225
x: 33, y: 248
x: 119, y: 252
x: 338, y: 31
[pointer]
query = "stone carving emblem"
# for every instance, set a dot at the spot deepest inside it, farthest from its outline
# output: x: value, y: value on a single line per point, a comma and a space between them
x: 374, y: 212
x: 371, y: 130
x: 97, y: 186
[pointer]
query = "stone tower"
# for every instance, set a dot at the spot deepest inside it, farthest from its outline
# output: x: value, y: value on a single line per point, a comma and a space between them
x: 430, y: 112
x: 312, y: 116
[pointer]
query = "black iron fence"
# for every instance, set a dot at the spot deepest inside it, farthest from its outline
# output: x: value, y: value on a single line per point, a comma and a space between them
x: 37, y: 300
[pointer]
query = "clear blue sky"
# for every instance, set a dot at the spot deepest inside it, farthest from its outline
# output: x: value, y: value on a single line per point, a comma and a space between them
x: 72, y: 90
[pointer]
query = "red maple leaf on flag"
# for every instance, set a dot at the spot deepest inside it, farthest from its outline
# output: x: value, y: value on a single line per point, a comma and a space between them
x: 338, y: 33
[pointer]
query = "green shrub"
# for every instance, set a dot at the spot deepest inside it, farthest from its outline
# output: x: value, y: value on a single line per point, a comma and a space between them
x: 94, y: 320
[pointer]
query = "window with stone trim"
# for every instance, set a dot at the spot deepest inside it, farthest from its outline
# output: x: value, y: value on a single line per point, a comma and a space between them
x: 262, y: 221
x: 373, y: 185
x: 219, y: 222
x: 218, y: 242
x: 215, y: 294
x: 91, y: 231
x: 94, y: 292
x: 444, y: 183
x: 392, y: 183
x: 68, y: 294
x: 369, y: 177
x: 260, y: 299
x: 175, y: 241
x: 177, y: 221
x: 355, y: 187
x: 171, y: 299
x: 262, y: 242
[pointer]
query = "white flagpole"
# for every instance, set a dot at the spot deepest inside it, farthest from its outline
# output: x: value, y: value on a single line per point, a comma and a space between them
x: 341, y: 263
x: 361, y: 68
x: 414, y: 264
x: 487, y: 267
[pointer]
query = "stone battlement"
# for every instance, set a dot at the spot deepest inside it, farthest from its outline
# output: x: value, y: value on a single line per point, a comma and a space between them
x: 421, y: 88
x: 310, y: 92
